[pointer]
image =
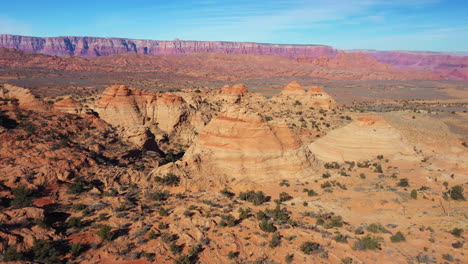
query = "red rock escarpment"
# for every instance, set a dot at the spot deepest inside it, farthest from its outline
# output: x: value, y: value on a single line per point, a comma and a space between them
x: 94, y: 47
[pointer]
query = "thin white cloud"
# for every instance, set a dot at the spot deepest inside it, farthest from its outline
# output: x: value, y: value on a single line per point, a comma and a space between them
x: 12, y: 26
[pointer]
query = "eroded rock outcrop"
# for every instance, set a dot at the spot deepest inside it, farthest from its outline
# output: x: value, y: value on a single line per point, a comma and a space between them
x: 315, y: 97
x: 68, y: 105
x: 364, y: 138
x: 24, y: 98
x: 238, y: 145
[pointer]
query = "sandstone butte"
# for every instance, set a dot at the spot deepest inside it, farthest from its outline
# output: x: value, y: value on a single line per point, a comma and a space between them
x: 68, y: 105
x: 238, y: 144
x: 364, y: 138
x: 124, y: 106
x: 313, y: 97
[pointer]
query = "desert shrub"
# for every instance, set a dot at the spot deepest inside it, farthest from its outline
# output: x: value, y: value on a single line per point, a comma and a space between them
x: 310, y: 192
x: 43, y: 251
x: 105, y: 233
x: 340, y: 238
x: 255, y: 197
x: 378, y: 168
x: 376, y: 228
x: 74, y: 222
x: 163, y: 211
x: 414, y: 194
x: 398, y: 237
x: 448, y: 257
x: 403, y: 183
x: 76, y: 249
x: 267, y: 226
x: 289, y: 258
x: 11, y: 254
x: 77, y: 186
x: 152, y: 235
x: 233, y: 255
x: 347, y: 260
x: 183, y: 259
x: 23, y: 197
x: 368, y: 242
x: 278, y: 214
x: 275, y: 240
x: 310, y: 247
x: 362, y: 176
x: 456, y: 193
x: 227, y: 221
x: 163, y: 225
x: 326, y: 184
x: 168, y: 238
x: 332, y: 165
x: 284, y: 196
x: 457, y: 232
x: 326, y: 175
x: 159, y: 195
x: 329, y: 221
x: 175, y: 249
x: 243, y: 213
x: 227, y: 193
x: 169, y: 180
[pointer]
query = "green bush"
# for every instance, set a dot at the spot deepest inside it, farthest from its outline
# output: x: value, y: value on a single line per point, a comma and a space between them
x: 76, y: 249
x: 169, y: 180
x: 310, y: 192
x: 275, y: 240
x: 227, y: 193
x: 376, y: 228
x: 175, y: 249
x: 284, y: 196
x: 414, y: 194
x: 368, y: 242
x: 403, y: 183
x: 267, y: 226
x: 105, y: 233
x: 398, y: 237
x: 23, y: 197
x: 227, y: 221
x: 77, y: 186
x: 457, y: 232
x: 43, y: 251
x: 310, y: 247
x: 159, y: 196
x: 289, y: 258
x: 11, y: 254
x: 340, y: 238
x: 255, y: 197
x: 233, y: 255
x: 456, y: 193
x: 74, y: 222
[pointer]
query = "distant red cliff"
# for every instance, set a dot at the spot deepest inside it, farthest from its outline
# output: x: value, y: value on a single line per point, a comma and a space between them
x: 448, y: 65
x: 95, y: 47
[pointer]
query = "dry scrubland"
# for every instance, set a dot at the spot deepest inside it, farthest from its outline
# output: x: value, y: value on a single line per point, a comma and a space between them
x: 209, y: 175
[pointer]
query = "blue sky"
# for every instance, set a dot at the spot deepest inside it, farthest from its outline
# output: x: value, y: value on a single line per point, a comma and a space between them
x: 435, y: 25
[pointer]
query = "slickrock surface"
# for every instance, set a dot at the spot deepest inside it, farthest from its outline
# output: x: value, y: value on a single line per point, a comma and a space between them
x: 239, y: 144
x: 364, y: 138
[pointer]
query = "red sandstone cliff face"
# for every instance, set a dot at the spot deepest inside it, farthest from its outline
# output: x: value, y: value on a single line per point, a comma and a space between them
x: 95, y: 47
